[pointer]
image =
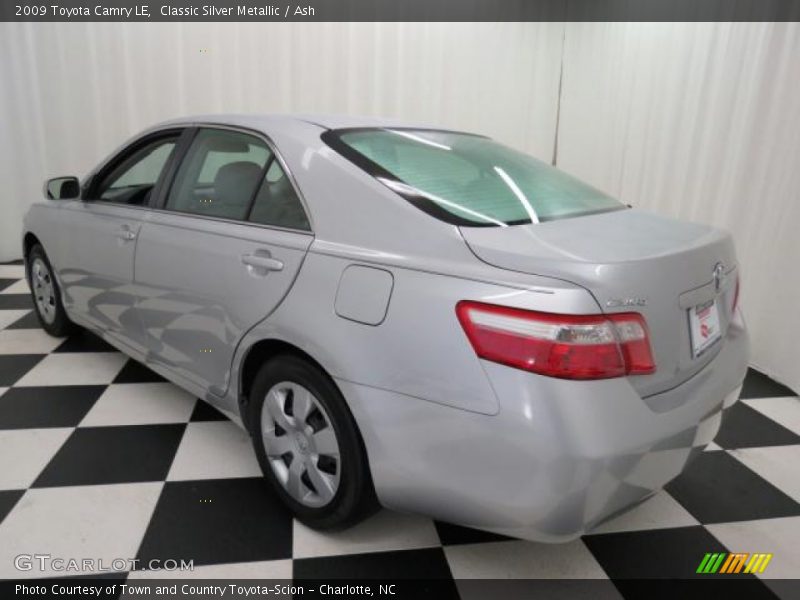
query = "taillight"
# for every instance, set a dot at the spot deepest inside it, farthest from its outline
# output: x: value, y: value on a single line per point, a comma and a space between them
x: 565, y: 346
x: 735, y: 304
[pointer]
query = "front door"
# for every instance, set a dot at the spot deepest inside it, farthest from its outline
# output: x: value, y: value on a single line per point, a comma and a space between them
x: 97, y: 258
x: 219, y: 256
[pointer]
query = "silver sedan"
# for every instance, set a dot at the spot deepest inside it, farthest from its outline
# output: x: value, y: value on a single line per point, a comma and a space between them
x: 413, y: 317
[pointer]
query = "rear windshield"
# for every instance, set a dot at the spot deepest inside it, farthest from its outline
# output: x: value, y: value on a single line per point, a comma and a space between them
x: 468, y: 179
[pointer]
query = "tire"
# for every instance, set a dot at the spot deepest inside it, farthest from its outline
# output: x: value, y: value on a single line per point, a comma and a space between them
x: 46, y: 294
x: 323, y: 490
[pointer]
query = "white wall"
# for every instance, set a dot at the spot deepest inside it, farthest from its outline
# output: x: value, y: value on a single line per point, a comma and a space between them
x: 698, y: 121
x: 72, y: 92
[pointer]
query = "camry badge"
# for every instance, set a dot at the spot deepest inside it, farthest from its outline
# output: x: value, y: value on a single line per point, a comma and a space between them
x: 616, y: 302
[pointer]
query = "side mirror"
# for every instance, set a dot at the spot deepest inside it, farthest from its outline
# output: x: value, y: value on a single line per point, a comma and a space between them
x: 62, y: 188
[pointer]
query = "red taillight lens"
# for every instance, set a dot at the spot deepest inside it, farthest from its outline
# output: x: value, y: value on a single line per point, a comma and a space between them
x: 565, y: 346
x: 735, y: 304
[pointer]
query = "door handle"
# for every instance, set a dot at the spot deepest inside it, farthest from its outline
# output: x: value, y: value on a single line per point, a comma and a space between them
x: 262, y: 262
x: 126, y: 235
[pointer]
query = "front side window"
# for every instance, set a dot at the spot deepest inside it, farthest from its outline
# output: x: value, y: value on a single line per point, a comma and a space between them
x: 467, y: 179
x: 132, y: 180
x: 219, y: 175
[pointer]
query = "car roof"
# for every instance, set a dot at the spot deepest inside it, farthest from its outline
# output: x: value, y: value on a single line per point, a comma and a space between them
x: 258, y: 120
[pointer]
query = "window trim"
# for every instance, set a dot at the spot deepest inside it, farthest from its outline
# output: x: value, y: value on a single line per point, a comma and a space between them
x: 159, y: 201
x: 89, y: 192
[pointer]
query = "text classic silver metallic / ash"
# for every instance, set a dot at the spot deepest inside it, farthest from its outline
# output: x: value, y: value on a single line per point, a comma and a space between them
x: 399, y: 315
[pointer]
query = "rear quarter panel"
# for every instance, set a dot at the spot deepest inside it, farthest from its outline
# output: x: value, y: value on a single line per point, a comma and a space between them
x: 419, y: 349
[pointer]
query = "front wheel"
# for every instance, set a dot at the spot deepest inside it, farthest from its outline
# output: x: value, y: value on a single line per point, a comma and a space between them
x: 308, y: 445
x: 46, y: 294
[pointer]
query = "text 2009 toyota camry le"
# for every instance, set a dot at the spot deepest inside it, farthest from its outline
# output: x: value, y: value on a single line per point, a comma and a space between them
x: 419, y: 318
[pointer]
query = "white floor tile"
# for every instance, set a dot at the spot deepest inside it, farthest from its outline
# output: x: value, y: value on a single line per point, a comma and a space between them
x: 785, y: 411
x: 712, y: 447
x: 384, y: 531
x: 659, y: 512
x: 140, y: 404
x: 268, y: 569
x: 776, y: 464
x: 523, y: 560
x: 12, y: 271
x: 25, y: 452
x: 7, y: 317
x: 212, y: 450
x: 2, y: 390
x: 79, y: 368
x: 20, y: 287
x: 98, y: 521
x: 27, y: 341
x: 776, y: 536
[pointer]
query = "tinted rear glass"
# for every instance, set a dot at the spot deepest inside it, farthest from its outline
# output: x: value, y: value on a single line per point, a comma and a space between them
x: 467, y: 179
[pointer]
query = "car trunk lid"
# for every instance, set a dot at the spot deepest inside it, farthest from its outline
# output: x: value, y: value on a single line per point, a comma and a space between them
x: 630, y: 261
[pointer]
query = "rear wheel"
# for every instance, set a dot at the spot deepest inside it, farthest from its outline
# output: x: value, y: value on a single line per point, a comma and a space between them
x: 308, y: 444
x: 46, y: 294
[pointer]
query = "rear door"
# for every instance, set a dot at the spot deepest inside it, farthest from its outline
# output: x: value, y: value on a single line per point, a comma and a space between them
x: 96, y: 256
x: 219, y: 254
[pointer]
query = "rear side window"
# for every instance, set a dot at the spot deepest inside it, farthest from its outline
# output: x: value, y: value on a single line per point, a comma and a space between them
x: 277, y: 203
x: 236, y: 176
x: 219, y: 175
x: 467, y: 179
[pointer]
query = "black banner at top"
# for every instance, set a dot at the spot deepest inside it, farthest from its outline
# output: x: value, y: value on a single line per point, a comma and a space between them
x: 399, y: 10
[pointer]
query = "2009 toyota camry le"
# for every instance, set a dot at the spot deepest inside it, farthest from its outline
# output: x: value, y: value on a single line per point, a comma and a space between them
x: 418, y: 318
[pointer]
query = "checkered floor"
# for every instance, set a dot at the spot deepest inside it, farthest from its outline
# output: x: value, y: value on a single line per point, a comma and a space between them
x: 100, y: 457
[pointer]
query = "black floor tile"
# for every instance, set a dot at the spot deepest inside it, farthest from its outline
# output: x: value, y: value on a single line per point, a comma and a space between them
x: 15, y: 301
x: 758, y: 385
x: 658, y: 553
x: 96, y: 455
x: 29, y: 321
x: 8, y: 498
x: 50, y: 406
x: 451, y: 535
x: 203, y: 411
x: 717, y: 488
x: 136, y: 372
x: 14, y: 366
x: 428, y: 567
x: 4, y: 283
x: 84, y: 340
x: 745, y: 427
x: 218, y: 521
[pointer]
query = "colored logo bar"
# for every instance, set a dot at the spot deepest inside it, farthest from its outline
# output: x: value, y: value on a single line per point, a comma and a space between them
x: 724, y: 562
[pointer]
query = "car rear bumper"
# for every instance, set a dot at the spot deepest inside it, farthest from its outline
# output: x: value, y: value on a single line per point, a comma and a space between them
x: 558, y: 458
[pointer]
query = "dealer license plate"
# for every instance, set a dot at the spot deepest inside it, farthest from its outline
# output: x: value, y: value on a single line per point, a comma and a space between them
x: 704, y: 327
